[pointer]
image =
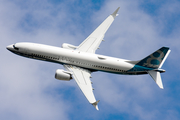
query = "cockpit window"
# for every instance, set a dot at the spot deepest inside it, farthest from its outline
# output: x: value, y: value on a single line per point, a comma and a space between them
x: 15, y: 47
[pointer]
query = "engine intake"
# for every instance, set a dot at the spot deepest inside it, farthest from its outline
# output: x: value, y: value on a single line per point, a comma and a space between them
x: 63, y: 75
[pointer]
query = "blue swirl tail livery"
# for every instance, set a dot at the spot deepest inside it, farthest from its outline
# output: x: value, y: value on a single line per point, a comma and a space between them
x: 156, y: 59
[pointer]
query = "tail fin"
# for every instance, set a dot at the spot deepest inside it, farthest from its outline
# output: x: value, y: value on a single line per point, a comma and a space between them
x: 156, y: 59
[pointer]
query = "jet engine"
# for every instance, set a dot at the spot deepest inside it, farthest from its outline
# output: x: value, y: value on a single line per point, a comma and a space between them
x: 68, y: 46
x: 63, y: 75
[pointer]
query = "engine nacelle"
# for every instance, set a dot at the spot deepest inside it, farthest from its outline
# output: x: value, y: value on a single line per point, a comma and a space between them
x: 68, y: 46
x: 63, y: 75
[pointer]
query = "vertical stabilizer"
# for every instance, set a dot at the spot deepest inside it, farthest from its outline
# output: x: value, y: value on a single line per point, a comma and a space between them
x: 156, y: 59
x: 155, y: 62
x: 156, y: 77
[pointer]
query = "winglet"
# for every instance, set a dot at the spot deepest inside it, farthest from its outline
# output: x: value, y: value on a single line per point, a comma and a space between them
x: 115, y: 12
x: 95, y: 104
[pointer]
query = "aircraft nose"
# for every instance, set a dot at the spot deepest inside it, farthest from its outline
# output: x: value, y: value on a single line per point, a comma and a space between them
x: 9, y: 47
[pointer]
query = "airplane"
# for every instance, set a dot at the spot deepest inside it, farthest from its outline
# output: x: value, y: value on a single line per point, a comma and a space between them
x: 80, y: 61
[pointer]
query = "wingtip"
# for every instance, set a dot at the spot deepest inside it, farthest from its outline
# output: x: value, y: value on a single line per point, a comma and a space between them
x: 115, y: 12
x: 95, y: 104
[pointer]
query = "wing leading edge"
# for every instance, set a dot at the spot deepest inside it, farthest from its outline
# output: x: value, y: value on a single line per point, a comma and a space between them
x: 92, y: 42
x: 82, y: 78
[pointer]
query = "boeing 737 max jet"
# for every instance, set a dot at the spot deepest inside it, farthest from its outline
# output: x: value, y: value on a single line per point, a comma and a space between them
x: 80, y: 61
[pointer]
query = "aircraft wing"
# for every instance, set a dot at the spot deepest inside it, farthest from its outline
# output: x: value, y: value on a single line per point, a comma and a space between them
x: 92, y: 42
x: 82, y: 78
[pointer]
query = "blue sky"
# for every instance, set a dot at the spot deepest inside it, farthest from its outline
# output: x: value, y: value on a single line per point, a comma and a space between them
x: 28, y: 89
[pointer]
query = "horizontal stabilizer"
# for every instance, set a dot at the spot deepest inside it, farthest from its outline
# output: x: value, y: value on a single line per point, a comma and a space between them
x: 156, y: 77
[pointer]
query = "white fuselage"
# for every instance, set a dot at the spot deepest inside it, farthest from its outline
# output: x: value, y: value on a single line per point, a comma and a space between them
x: 90, y: 61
